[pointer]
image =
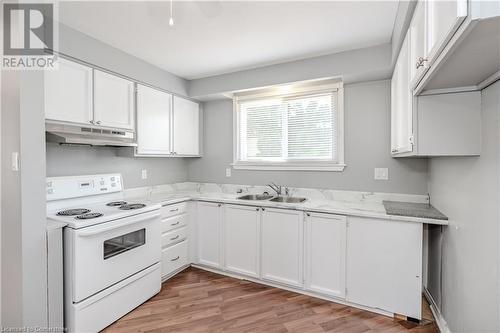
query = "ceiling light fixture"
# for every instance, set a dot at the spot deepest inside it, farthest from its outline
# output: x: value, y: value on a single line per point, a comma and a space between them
x: 171, y: 21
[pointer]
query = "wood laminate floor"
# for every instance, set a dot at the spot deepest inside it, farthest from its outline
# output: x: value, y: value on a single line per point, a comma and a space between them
x: 201, y: 301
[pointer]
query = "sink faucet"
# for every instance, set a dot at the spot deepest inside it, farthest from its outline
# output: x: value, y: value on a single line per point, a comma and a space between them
x: 276, y: 188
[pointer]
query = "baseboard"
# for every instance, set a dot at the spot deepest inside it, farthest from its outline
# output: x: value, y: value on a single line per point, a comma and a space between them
x: 441, y: 323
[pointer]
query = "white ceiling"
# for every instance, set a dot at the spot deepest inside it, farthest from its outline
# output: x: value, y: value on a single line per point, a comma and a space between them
x: 211, y: 38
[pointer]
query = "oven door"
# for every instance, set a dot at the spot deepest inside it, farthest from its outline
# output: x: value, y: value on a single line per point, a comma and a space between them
x: 107, y: 253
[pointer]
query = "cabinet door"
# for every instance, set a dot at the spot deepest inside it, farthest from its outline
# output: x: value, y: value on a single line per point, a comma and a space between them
x: 402, y: 103
x: 113, y: 101
x: 282, y: 245
x: 443, y: 19
x: 68, y: 93
x: 325, y: 254
x: 241, y: 239
x: 384, y: 265
x: 186, y: 127
x: 418, y: 50
x: 153, y: 121
x: 209, y: 234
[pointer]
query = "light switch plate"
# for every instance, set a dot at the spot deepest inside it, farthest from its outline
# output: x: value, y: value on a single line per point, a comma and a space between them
x: 381, y: 173
x: 144, y: 174
x: 228, y: 172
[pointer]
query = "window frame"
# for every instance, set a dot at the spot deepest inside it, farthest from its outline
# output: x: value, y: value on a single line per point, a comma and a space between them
x: 296, y: 165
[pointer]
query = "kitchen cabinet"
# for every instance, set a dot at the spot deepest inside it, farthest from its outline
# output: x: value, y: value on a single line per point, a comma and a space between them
x: 186, y: 127
x: 418, y: 42
x: 282, y: 246
x: 402, y: 103
x: 443, y: 20
x: 209, y: 223
x: 174, y: 239
x: 242, y: 239
x: 113, y: 101
x: 384, y: 265
x: 445, y: 123
x: 153, y: 121
x: 68, y: 93
x: 433, y: 24
x: 325, y: 254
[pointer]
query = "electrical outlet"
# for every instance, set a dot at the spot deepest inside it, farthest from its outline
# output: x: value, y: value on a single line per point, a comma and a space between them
x: 144, y: 174
x: 228, y: 172
x: 381, y: 173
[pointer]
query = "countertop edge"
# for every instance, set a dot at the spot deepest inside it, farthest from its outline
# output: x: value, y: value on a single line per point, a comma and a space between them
x: 165, y: 202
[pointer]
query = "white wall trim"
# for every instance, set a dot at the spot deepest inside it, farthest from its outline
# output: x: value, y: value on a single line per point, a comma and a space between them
x: 440, y: 322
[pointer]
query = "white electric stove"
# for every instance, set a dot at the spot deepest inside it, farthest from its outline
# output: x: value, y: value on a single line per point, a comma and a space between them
x: 111, y: 249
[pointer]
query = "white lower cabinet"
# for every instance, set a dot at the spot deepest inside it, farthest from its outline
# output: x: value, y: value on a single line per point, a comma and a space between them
x: 209, y: 223
x: 384, y: 265
x: 242, y: 239
x: 282, y: 245
x: 174, y: 257
x: 325, y: 251
x: 369, y: 262
x: 174, y: 238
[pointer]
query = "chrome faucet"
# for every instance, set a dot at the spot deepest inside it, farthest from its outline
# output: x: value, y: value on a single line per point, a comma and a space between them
x: 276, y: 188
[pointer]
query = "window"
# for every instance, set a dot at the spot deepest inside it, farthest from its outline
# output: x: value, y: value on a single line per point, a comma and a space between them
x: 299, y: 131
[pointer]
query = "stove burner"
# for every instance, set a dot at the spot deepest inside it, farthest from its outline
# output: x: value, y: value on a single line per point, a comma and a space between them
x: 73, y: 212
x: 116, y: 203
x: 88, y: 216
x: 132, y: 206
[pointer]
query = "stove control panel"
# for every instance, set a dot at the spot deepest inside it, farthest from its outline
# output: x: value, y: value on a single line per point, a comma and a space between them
x: 82, y: 186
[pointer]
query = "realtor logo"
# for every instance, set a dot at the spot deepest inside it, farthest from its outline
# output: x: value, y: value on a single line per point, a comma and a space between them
x: 28, y: 32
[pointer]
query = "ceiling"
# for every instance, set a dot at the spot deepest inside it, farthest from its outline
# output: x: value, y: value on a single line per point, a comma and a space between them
x: 216, y: 37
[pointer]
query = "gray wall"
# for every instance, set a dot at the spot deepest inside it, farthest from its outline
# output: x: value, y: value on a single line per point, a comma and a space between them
x: 75, y: 160
x: 93, y: 51
x: 367, y: 145
x: 467, y: 190
x: 71, y: 160
x: 367, y: 64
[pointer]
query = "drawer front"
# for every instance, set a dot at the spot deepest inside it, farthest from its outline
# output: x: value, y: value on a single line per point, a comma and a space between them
x: 172, y: 223
x: 174, y: 236
x: 174, y: 257
x: 173, y: 210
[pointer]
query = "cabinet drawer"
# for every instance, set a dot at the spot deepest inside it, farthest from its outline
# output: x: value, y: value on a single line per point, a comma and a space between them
x: 174, y: 236
x: 172, y: 223
x: 172, y: 210
x: 174, y: 257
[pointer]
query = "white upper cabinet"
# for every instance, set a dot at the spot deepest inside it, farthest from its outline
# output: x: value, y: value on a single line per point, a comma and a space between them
x: 418, y: 43
x: 282, y: 246
x: 443, y: 19
x: 68, y: 93
x: 113, y: 101
x: 186, y: 127
x: 325, y: 254
x: 209, y: 223
x: 242, y: 239
x: 402, y: 103
x: 153, y: 121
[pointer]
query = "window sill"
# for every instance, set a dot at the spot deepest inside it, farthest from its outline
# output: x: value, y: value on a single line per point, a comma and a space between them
x: 338, y: 167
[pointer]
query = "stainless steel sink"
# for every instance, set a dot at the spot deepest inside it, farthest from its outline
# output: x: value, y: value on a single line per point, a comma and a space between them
x: 289, y: 199
x: 255, y: 197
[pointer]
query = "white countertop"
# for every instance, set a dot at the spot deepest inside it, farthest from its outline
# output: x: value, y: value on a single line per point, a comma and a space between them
x: 362, y: 208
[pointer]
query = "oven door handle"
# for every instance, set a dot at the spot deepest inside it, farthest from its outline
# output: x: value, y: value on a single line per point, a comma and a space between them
x: 106, y: 227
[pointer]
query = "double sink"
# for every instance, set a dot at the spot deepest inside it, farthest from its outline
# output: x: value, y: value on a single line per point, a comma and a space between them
x: 286, y: 199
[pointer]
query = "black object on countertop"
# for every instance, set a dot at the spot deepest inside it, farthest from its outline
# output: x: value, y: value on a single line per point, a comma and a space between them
x: 412, y: 209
